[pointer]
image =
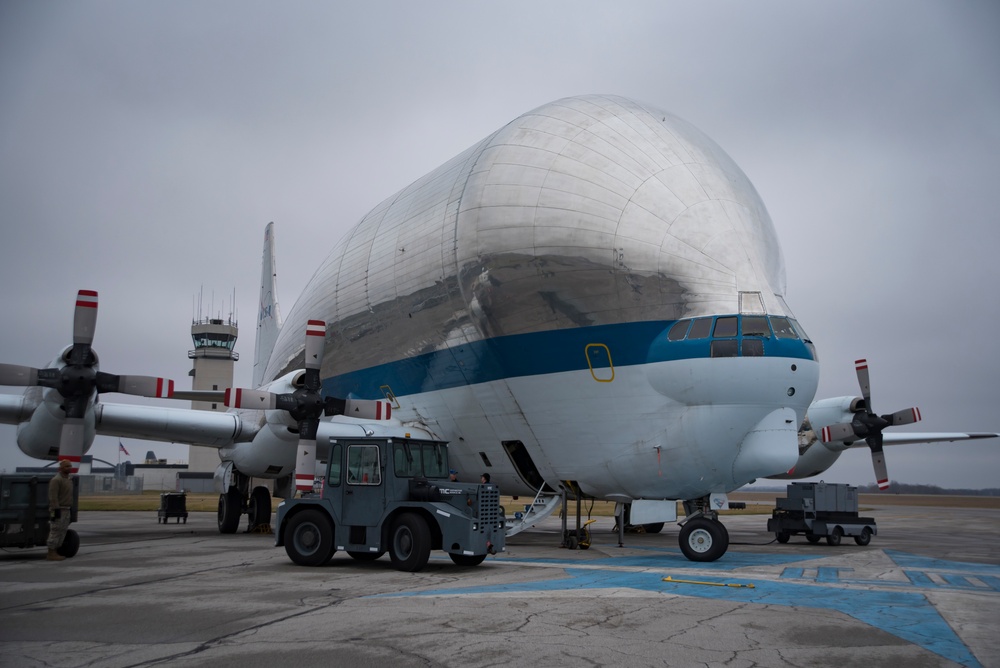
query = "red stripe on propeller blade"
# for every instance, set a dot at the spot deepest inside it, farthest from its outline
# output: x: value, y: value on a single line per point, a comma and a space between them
x: 87, y: 298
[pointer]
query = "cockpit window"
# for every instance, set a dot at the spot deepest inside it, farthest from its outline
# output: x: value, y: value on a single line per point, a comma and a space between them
x: 725, y: 327
x: 755, y: 325
x: 783, y: 328
x: 741, y: 335
x: 700, y: 328
x: 678, y: 331
x: 798, y: 329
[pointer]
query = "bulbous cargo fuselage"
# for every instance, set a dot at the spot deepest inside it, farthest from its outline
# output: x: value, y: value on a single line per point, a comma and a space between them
x: 593, y: 293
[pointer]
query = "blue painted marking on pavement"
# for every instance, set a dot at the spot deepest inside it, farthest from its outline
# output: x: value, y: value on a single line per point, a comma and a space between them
x: 827, y: 574
x: 674, y: 558
x: 905, y: 614
x: 920, y: 579
x: 926, y: 563
x: 958, y: 581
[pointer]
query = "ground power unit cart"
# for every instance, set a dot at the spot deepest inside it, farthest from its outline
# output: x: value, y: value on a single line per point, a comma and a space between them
x: 820, y: 510
x: 24, y: 513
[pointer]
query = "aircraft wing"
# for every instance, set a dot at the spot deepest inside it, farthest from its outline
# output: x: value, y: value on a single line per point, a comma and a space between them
x: 176, y: 425
x: 13, y: 409
x: 915, y: 437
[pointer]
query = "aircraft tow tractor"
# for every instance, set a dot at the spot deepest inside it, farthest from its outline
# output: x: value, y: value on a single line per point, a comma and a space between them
x: 391, y: 494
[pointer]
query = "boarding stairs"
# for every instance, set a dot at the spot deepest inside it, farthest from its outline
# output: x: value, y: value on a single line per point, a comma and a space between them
x: 544, y: 504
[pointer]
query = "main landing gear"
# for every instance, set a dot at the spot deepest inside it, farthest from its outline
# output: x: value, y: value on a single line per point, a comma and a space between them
x: 239, y: 499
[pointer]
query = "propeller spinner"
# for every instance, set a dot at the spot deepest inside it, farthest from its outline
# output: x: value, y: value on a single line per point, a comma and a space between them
x: 78, y: 379
x: 867, y: 425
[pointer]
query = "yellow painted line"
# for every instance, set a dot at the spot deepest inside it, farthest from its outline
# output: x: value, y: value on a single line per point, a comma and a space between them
x: 711, y: 584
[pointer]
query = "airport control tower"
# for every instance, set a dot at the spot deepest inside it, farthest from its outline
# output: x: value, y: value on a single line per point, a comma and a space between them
x: 213, y: 357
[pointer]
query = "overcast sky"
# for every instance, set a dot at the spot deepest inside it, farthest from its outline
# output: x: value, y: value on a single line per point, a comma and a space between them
x: 144, y: 147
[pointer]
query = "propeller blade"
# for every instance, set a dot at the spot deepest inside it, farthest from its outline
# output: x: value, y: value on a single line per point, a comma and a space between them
x: 368, y: 409
x: 71, y: 442
x: 213, y: 396
x: 85, y: 318
x: 315, y: 343
x: 305, y: 465
x: 17, y: 375
x: 907, y: 416
x: 861, y: 367
x: 140, y: 386
x: 878, y: 462
x: 842, y: 431
x: 259, y: 399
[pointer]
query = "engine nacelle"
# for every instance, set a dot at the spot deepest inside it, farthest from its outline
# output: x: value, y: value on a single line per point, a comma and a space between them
x: 815, y: 456
x: 825, y: 412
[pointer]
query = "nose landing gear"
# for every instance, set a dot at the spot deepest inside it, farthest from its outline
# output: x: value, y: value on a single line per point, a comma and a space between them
x: 703, y: 537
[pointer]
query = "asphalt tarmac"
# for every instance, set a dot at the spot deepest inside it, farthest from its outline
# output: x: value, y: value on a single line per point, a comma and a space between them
x: 925, y: 592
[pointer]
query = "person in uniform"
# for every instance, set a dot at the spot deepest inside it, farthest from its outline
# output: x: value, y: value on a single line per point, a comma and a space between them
x: 60, y: 501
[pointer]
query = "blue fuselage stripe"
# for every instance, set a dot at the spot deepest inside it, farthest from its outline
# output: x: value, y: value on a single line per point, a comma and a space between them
x: 537, y: 353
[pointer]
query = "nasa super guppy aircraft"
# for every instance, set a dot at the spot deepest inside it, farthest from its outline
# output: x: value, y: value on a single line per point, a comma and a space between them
x: 590, y: 299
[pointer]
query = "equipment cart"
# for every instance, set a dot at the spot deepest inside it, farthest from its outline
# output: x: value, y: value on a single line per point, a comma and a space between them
x: 172, y: 504
x: 820, y: 510
x: 24, y: 513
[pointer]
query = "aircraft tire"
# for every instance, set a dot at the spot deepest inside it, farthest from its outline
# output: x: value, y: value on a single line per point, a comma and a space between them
x: 656, y: 527
x: 230, y: 509
x: 410, y: 543
x: 259, y: 510
x: 702, y: 539
x: 309, y: 538
x: 70, y: 545
x: 467, y: 559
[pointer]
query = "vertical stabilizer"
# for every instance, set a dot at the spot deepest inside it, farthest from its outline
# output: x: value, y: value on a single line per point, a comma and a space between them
x: 268, y: 315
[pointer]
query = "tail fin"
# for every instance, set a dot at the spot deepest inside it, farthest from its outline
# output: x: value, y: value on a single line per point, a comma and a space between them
x: 268, y: 314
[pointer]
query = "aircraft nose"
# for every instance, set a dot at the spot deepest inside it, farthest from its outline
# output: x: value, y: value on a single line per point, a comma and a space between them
x: 733, y: 359
x: 772, y: 446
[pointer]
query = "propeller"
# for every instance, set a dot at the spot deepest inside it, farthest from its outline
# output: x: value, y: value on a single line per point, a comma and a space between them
x: 867, y: 425
x: 306, y: 405
x: 78, y: 379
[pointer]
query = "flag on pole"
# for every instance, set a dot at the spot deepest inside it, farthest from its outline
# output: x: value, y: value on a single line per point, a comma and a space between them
x: 121, y: 448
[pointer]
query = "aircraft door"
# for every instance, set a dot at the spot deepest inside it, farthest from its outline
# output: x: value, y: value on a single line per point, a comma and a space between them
x: 524, y: 464
x: 364, y: 487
